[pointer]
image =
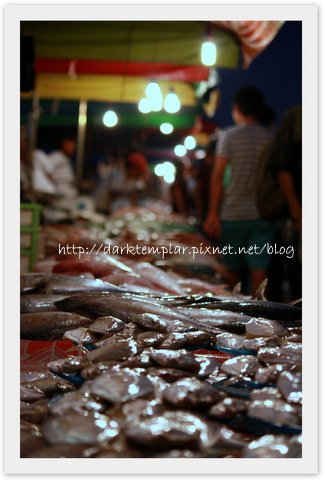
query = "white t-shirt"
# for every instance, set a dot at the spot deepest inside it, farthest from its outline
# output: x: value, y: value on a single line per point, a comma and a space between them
x: 62, y: 174
x: 42, y: 173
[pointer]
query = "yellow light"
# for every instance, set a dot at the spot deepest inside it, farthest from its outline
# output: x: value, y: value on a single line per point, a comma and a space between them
x: 83, y: 119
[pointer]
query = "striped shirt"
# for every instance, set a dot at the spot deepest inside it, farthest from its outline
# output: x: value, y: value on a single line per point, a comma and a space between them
x: 241, y: 145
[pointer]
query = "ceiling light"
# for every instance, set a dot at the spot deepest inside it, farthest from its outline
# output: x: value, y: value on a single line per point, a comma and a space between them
x: 144, y: 105
x: 166, y: 128
x: 110, y: 119
x: 180, y: 150
x: 172, y: 103
x: 208, y: 53
x: 190, y: 142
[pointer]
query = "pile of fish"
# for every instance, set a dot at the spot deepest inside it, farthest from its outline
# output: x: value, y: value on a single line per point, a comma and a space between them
x: 148, y: 380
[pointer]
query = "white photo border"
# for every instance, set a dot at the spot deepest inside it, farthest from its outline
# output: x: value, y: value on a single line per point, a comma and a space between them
x: 13, y: 14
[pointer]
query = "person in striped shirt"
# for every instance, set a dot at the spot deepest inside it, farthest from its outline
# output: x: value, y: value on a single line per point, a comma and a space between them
x: 233, y: 214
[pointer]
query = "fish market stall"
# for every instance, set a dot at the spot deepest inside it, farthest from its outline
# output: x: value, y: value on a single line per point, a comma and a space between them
x: 134, y: 355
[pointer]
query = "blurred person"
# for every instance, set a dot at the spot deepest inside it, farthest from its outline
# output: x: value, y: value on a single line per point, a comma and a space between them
x: 233, y: 215
x: 62, y: 173
x: 35, y: 173
x: 202, y: 195
x: 128, y: 185
x: 285, y: 160
x: 184, y: 188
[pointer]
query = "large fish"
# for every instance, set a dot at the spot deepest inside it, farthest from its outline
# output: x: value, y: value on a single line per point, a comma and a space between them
x: 121, y: 306
x: 67, y: 285
x: 159, y: 278
x: 99, y: 265
x: 30, y: 282
x: 36, y: 302
x: 49, y: 325
x: 258, y: 308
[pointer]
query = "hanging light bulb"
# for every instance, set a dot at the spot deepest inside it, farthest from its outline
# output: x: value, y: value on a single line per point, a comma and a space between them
x: 156, y: 103
x: 208, y: 52
x: 166, y: 128
x: 144, y: 105
x: 190, y: 142
x: 172, y: 103
x: 180, y: 150
x: 152, y: 89
x: 155, y: 96
x: 110, y: 119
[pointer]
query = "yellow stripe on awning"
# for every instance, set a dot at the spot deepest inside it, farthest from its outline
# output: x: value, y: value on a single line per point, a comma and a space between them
x: 106, y: 88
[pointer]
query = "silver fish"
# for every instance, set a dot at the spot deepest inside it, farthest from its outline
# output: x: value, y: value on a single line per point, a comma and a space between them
x: 34, y: 303
x: 150, y: 339
x: 35, y: 412
x: 80, y: 336
x: 228, y: 408
x: 191, y: 393
x: 106, y: 324
x: 241, y: 365
x: 49, y: 325
x: 114, y: 350
x: 69, y: 284
x: 290, y: 385
x: 76, y: 402
x: 121, y: 306
x: 261, y: 327
x: 274, y: 446
x: 180, y: 339
x: 274, y: 411
x: 74, y: 429
x: 122, y: 386
x: 30, y: 438
x: 279, y: 355
x: 267, y: 393
x: 30, y: 282
x: 68, y: 365
x: 50, y: 385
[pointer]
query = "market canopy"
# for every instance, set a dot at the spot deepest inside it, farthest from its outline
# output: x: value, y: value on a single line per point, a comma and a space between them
x: 112, y: 61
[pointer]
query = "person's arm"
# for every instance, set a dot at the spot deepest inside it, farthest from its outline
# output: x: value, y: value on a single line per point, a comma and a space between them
x: 289, y: 192
x: 212, y: 223
x: 179, y: 200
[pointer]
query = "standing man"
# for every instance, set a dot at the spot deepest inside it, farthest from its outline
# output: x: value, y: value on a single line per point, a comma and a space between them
x: 62, y: 173
x: 233, y: 215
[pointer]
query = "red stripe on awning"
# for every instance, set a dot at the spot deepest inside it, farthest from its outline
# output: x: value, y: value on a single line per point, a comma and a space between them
x: 168, y: 71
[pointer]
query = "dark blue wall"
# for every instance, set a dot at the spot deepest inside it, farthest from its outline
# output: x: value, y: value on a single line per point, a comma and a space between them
x: 276, y: 72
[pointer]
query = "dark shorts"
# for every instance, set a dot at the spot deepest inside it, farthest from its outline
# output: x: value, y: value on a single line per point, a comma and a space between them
x: 249, y: 240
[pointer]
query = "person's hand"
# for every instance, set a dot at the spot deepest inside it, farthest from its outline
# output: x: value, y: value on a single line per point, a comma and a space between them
x: 212, y: 225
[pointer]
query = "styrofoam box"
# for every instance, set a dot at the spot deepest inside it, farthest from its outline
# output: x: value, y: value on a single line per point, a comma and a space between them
x: 25, y: 240
x: 26, y: 217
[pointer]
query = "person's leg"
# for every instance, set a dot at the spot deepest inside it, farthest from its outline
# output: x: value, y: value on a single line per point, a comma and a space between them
x: 233, y: 235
